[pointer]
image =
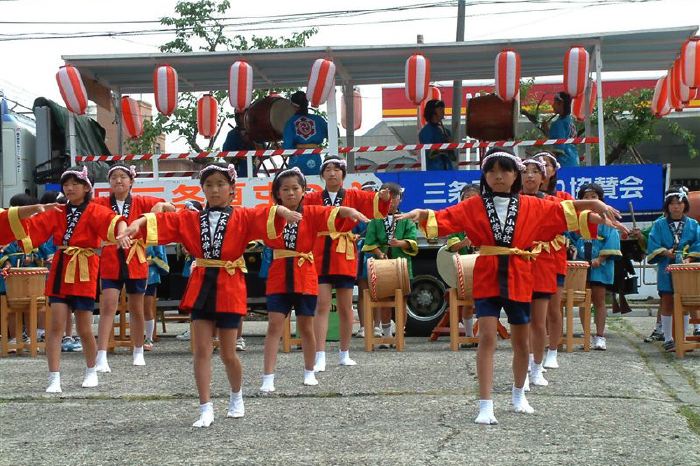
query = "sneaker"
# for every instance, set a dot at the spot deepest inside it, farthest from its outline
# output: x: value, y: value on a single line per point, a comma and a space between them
x: 67, y: 345
x: 384, y: 346
x: 41, y: 336
x: 77, y: 345
x: 670, y: 346
x: 147, y: 344
x: 393, y: 327
x: 378, y: 332
x: 240, y: 344
x: 696, y: 332
x: 656, y: 335
x: 598, y: 343
x: 25, y: 338
x: 13, y: 341
x: 360, y: 333
x: 184, y: 336
x: 469, y: 345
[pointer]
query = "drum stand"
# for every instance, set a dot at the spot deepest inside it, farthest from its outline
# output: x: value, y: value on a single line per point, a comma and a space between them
x: 123, y: 338
x: 287, y: 339
x: 398, y: 303
x: 684, y: 303
x: 33, y: 304
x: 581, y: 299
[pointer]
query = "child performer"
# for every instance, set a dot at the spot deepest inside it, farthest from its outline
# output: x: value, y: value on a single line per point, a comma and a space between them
x: 674, y: 239
x: 458, y: 242
x: 504, y: 225
x: 157, y: 265
x: 78, y: 228
x: 216, y: 291
x: 361, y: 230
x: 600, y: 253
x: 336, y: 257
x: 559, y: 244
x: 119, y: 269
x: 390, y: 238
x: 292, y: 279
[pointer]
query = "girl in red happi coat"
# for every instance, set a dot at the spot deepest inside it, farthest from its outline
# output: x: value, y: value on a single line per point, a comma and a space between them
x: 292, y: 279
x: 124, y: 268
x: 336, y: 255
x: 78, y: 228
x: 505, y: 226
x: 216, y: 291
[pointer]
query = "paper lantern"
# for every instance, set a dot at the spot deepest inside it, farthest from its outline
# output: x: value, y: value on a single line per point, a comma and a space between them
x: 690, y: 59
x: 207, y: 113
x: 132, y: 120
x: 507, y: 73
x: 165, y: 89
x: 321, y: 80
x: 433, y: 94
x: 72, y: 89
x: 576, y: 62
x: 417, y: 78
x: 357, y: 110
x: 240, y: 85
x: 577, y: 107
x: 660, y: 105
x: 681, y: 94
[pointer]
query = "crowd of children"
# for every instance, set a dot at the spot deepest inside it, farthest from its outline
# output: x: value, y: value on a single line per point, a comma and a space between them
x: 515, y: 219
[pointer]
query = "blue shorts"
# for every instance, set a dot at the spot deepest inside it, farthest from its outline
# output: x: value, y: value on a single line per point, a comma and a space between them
x: 304, y: 304
x: 221, y: 319
x: 560, y: 280
x: 77, y: 303
x: 541, y: 295
x: 518, y: 312
x: 151, y: 290
x: 133, y: 286
x: 337, y: 281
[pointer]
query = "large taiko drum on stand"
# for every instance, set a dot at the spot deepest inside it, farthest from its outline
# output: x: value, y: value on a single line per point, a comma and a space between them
x: 384, y: 276
x: 686, y: 279
x: 576, y: 275
x: 24, y: 283
x: 694, y: 200
x: 491, y: 119
x: 464, y: 265
x: 265, y: 119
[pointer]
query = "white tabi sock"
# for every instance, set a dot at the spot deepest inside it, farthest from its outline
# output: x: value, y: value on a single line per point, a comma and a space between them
x: 150, y: 328
x: 486, y: 415
x: 667, y: 327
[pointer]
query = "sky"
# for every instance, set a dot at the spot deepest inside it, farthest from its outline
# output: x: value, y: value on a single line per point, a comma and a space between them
x: 29, y: 66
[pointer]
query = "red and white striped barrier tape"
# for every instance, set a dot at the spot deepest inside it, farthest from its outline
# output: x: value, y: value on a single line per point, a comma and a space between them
x: 342, y: 150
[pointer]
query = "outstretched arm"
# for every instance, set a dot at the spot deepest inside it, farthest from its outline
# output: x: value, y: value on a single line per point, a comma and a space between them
x: 349, y: 212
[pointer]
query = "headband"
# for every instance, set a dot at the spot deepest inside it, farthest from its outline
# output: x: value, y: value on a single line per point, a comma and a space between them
x: 518, y: 163
x: 130, y: 170
x: 81, y: 175
x: 540, y: 164
x: 341, y: 162
x: 554, y: 160
x: 682, y: 194
x: 294, y: 170
x: 230, y: 170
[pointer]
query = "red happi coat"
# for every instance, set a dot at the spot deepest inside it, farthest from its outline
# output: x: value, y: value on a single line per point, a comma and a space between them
x: 545, y: 266
x: 560, y: 255
x: 113, y: 260
x: 11, y: 227
x: 298, y: 274
x: 69, y: 275
x: 506, y: 276
x: 338, y: 256
x: 244, y: 225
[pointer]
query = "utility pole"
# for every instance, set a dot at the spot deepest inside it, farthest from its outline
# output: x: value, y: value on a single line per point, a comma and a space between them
x: 457, y: 84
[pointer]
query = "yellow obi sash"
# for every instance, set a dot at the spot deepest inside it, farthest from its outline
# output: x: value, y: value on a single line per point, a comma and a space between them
x: 79, y: 258
x: 230, y: 266
x: 285, y: 253
x: 503, y: 251
x: 138, y: 248
x: 346, y: 242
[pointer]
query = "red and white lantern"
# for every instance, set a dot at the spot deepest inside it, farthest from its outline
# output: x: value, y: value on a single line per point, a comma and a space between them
x: 507, y: 73
x: 207, y: 114
x: 321, y: 80
x: 680, y: 92
x: 165, y: 89
x: 433, y: 94
x: 417, y: 78
x: 576, y: 63
x: 72, y: 89
x: 240, y: 85
x: 357, y: 110
x: 660, y: 105
x: 132, y: 120
x: 690, y: 59
x: 577, y: 107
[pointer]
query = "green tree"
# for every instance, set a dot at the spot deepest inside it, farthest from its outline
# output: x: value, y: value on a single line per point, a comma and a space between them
x: 199, y: 25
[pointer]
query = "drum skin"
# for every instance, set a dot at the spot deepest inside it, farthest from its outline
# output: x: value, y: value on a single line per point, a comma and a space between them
x: 491, y: 119
x: 265, y: 119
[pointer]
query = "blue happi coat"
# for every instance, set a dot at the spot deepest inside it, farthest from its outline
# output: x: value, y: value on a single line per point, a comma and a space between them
x: 606, y: 244
x: 662, y: 239
x: 157, y: 264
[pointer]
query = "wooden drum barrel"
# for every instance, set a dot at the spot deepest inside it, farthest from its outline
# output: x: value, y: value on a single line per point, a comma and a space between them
x: 265, y: 119
x: 694, y: 200
x: 384, y: 276
x: 24, y: 283
x: 465, y: 275
x: 686, y: 279
x: 491, y: 119
x: 576, y: 275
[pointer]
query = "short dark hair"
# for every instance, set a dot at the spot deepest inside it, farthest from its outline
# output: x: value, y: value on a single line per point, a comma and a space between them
x: 469, y: 187
x: 595, y: 187
x: 301, y: 101
x: 277, y: 182
x: 52, y: 196
x: 674, y: 192
x: 331, y: 159
x: 394, y: 189
x: 565, y: 99
x: 507, y: 164
x: 430, y: 107
x: 207, y: 173
x: 23, y: 199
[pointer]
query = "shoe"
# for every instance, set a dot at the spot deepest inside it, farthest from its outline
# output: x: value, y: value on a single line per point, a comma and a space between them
x: 148, y: 344
x: 378, y: 332
x: 67, y: 345
x: 240, y: 344
x: 25, y: 339
x: 360, y: 333
x: 656, y: 335
x: 598, y: 343
x: 696, y: 332
x: 77, y: 345
x: 184, y: 336
x: 468, y: 345
x: 393, y: 327
x: 624, y: 306
x: 669, y: 346
x: 41, y: 337
x: 615, y: 306
x: 384, y: 346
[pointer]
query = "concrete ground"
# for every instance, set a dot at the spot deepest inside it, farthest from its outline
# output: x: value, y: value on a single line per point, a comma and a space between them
x: 631, y: 404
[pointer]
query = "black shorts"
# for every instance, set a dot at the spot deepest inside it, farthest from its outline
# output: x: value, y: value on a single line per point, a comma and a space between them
x: 133, y: 286
x: 518, y: 312
x: 337, y: 281
x: 76, y: 303
x: 304, y: 304
x: 541, y: 295
x: 151, y: 290
x: 225, y: 320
